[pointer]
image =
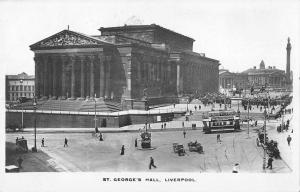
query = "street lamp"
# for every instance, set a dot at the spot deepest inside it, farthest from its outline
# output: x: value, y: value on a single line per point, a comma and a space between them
x: 22, y: 124
x: 248, y: 116
x: 265, y: 127
x: 34, y: 149
x: 95, y: 113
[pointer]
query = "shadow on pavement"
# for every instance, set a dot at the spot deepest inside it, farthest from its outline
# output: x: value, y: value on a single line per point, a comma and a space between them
x: 32, y: 162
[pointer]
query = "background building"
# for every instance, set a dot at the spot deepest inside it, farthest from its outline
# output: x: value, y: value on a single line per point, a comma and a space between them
x: 127, y: 62
x: 270, y: 76
x: 257, y: 77
x: 21, y: 85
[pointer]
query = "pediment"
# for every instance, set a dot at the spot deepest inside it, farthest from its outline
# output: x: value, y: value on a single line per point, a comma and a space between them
x: 67, y: 38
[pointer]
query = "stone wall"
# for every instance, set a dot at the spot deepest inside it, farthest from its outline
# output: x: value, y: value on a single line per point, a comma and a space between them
x: 44, y: 120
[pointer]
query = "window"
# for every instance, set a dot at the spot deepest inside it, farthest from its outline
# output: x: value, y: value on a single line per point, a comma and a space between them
x: 29, y: 88
x: 32, y: 88
x: 21, y: 87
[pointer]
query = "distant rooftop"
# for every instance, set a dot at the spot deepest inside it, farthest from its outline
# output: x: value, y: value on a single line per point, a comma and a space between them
x: 20, y: 76
x: 133, y: 27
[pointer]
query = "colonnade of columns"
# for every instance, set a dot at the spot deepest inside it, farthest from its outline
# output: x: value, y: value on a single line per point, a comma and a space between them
x: 73, y: 76
x: 151, y: 72
x: 226, y: 82
x: 196, y: 77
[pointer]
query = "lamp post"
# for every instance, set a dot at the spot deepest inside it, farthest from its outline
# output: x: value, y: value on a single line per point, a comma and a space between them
x: 95, y: 113
x: 22, y: 122
x: 265, y: 128
x: 248, y: 117
x: 265, y: 131
x: 34, y: 149
x: 187, y: 105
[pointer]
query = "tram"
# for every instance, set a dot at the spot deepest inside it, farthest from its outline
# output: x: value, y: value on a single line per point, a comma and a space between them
x: 221, y: 120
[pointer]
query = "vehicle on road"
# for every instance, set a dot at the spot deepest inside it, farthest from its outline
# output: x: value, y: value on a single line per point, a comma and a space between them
x: 21, y: 145
x: 179, y: 149
x: 195, y: 147
x: 221, y: 120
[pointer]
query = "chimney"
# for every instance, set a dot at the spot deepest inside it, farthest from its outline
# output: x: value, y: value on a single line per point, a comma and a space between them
x: 274, y: 67
x: 254, y: 67
x: 270, y: 67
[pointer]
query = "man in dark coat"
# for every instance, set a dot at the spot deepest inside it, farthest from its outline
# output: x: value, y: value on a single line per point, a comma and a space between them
x: 135, y: 142
x: 151, y: 164
x: 43, y: 142
x: 20, y: 160
x: 289, y: 139
x: 270, y: 162
x: 122, y: 150
x: 66, y: 142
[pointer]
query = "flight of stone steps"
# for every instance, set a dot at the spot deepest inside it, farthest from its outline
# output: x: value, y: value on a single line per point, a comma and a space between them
x: 72, y: 105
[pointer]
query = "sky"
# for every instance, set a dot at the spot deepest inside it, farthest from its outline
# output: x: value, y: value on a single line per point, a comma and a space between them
x: 237, y: 33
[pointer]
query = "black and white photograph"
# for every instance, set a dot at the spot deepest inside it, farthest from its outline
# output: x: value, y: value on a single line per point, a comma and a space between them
x: 150, y: 95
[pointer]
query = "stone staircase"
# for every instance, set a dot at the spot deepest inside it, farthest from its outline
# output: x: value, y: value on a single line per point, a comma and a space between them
x: 72, y: 105
x: 61, y: 105
x: 101, y: 106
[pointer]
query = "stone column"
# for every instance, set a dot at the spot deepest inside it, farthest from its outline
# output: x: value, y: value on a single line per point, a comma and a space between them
x: 178, y: 78
x: 37, y: 79
x: 72, y: 60
x: 92, y: 78
x: 63, y: 76
x: 54, y: 76
x: 45, y: 92
x: 102, y: 76
x: 82, y: 77
x: 107, y: 80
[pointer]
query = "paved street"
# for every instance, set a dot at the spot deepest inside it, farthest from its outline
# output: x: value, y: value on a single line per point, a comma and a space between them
x: 86, y: 153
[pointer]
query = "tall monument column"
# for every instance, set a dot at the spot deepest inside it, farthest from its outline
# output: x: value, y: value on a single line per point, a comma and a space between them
x: 288, y: 54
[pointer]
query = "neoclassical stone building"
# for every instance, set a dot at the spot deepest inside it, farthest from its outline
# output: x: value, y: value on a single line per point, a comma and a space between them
x: 127, y: 62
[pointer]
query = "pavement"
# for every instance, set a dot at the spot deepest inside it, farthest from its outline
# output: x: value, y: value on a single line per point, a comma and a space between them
x: 87, y: 153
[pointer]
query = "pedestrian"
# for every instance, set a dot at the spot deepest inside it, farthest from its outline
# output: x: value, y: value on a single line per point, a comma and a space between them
x: 20, y: 161
x: 289, y: 139
x: 184, y: 133
x: 101, y: 137
x: 174, y: 105
x: 199, y: 107
x: 43, y: 142
x: 151, y: 163
x: 255, y: 124
x: 218, y: 138
x: 195, y: 108
x: 96, y: 130
x: 235, y: 168
x: 220, y: 105
x: 17, y: 139
x: 66, y: 142
x: 165, y: 125
x: 122, y: 150
x: 182, y: 124
x: 135, y: 142
x: 162, y: 126
x: 270, y: 161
